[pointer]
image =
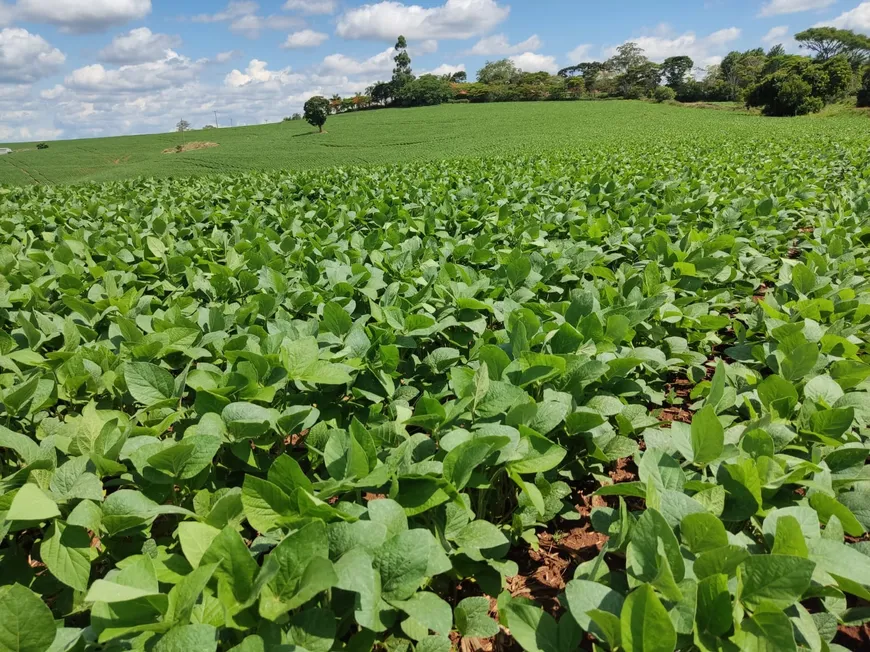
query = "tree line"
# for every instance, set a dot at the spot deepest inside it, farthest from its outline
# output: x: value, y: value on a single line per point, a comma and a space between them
x: 778, y: 83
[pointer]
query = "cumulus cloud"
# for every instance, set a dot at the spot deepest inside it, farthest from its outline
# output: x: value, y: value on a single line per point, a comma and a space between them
x: 498, y: 45
x: 533, y: 62
x: 340, y: 64
x: 455, y: 19
x: 223, y: 57
x: 775, y: 35
x: 312, y: 6
x: 26, y: 57
x: 81, y: 16
x: 445, y: 69
x: 307, y: 38
x: 243, y: 19
x: 857, y: 19
x: 580, y: 54
x: 173, y: 70
x: 138, y: 46
x: 257, y: 72
x: 704, y: 50
x: 778, y: 7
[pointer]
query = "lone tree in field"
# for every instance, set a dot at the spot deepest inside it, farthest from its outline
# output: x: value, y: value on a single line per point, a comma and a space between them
x: 182, y: 126
x: 316, y: 111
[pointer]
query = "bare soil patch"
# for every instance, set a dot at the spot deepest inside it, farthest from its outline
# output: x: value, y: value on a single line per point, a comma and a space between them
x: 188, y: 147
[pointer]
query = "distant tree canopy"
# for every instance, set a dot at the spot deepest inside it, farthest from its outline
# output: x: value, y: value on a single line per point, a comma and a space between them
x: 777, y: 82
x: 503, y: 71
x: 801, y: 86
x: 828, y: 42
x: 182, y: 126
x: 316, y: 110
x: 675, y: 69
x: 864, y: 91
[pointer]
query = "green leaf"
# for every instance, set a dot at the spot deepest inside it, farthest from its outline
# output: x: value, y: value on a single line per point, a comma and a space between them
x: 195, y: 539
x: 313, y: 629
x: 803, y: 279
x: 235, y: 566
x: 66, y: 551
x: 800, y: 361
x: 702, y: 532
x: 533, y: 628
x: 708, y: 436
x: 826, y: 507
x: 768, y: 630
x: 645, y: 624
x: 780, y: 580
x: 184, y: 596
x: 265, y: 504
x: 429, y: 610
x: 403, y: 562
x: 336, y: 320
x: 789, y: 539
x: 202, y: 638
x: 26, y: 624
x: 714, y: 610
x: 584, y: 596
x: 147, y: 383
x: 32, y: 504
x: 246, y: 420
x: 473, y: 619
x: 481, y: 534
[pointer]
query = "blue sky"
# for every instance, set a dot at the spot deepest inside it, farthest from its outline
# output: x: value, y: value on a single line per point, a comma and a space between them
x: 81, y: 68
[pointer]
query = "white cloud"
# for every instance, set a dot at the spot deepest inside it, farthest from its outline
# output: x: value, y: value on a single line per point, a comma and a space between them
x: 445, y: 69
x: 340, y: 64
x: 704, y: 50
x: 778, y: 7
x: 857, y: 19
x: 257, y: 72
x: 424, y: 47
x: 52, y: 93
x: 224, y: 57
x: 775, y: 35
x: 580, y: 53
x: 138, y: 46
x: 173, y: 70
x: 81, y: 16
x: 307, y: 38
x: 243, y: 19
x: 6, y: 14
x: 26, y: 57
x: 533, y: 62
x: 312, y: 6
x: 455, y: 19
x: 498, y: 45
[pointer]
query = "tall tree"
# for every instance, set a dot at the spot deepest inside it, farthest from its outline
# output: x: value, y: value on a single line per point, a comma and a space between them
x: 402, y: 73
x: 828, y: 42
x: 503, y: 71
x: 776, y: 51
x: 628, y: 55
x: 674, y: 70
x: 182, y: 126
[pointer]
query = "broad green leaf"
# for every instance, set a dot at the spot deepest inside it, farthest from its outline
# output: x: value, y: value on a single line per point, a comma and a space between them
x: 26, y: 623
x: 780, y: 580
x: 148, y: 383
x: 645, y: 624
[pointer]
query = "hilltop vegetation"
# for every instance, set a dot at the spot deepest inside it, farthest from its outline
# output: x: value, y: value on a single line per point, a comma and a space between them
x: 397, y: 136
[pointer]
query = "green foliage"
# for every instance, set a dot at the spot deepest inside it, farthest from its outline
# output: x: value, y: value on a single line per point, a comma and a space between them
x: 315, y: 111
x: 299, y: 410
x: 798, y: 87
x: 664, y: 94
x: 864, y: 91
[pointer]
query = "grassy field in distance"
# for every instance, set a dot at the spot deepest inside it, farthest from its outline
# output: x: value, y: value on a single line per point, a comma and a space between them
x: 388, y: 136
